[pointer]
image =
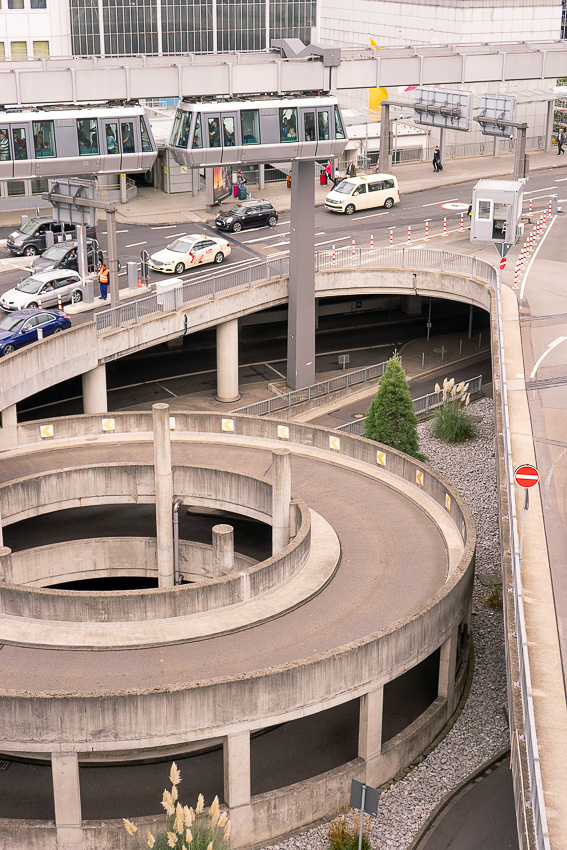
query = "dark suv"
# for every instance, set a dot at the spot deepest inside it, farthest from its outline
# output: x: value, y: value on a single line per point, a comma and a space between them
x: 247, y: 214
x: 63, y: 255
x: 30, y: 239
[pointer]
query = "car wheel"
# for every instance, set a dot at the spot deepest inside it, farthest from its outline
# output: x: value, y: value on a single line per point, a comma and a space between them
x: 219, y: 258
x: 236, y: 227
x: 272, y: 221
x: 58, y: 330
x: 388, y: 203
x: 8, y: 349
x: 32, y: 305
x: 76, y: 297
x: 349, y: 209
x: 179, y: 268
x: 30, y: 251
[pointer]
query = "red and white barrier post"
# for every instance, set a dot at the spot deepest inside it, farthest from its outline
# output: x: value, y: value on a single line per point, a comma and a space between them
x: 334, y: 257
x: 444, y: 227
x: 462, y: 222
x: 409, y: 235
x: 371, y: 244
x: 427, y: 229
x: 391, y: 238
x: 353, y: 250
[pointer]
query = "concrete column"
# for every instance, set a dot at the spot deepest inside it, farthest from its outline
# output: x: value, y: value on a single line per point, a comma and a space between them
x: 236, y: 758
x: 5, y: 562
x: 123, y: 197
x: 67, y: 799
x: 164, y: 494
x: 227, y: 361
x: 447, y: 667
x: 261, y: 181
x: 223, y: 550
x: 94, y: 390
x: 9, y: 430
x: 281, y: 499
x: 370, y: 724
x: 549, y: 124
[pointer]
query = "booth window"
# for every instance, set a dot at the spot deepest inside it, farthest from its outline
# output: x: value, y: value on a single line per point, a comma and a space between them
x: 146, y: 142
x: 43, y: 139
x: 250, y: 123
x: 483, y: 209
x: 87, y: 132
x: 288, y: 125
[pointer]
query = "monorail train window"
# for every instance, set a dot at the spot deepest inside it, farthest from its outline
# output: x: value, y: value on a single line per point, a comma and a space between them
x: 214, y: 132
x: 4, y: 144
x: 20, y: 148
x: 228, y: 132
x: 126, y: 128
x: 250, y: 123
x: 87, y: 131
x: 197, y: 137
x: 339, y: 129
x: 309, y: 124
x: 111, y: 133
x: 43, y: 138
x: 323, y: 119
x: 146, y: 143
x: 288, y: 125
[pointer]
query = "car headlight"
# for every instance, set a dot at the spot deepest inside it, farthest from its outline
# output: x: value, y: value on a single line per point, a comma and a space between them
x: 229, y: 219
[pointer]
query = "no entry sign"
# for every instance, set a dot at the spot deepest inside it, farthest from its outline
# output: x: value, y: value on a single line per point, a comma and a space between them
x: 526, y: 476
x: 503, y: 263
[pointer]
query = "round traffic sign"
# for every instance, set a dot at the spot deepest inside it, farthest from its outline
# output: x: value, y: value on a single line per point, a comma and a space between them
x: 454, y: 206
x: 503, y: 263
x: 526, y: 476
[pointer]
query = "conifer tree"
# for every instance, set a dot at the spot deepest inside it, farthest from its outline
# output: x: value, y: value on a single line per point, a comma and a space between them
x: 391, y: 419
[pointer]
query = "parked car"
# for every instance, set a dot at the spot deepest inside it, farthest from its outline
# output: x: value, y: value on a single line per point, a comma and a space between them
x: 30, y: 238
x: 248, y: 214
x: 63, y: 255
x: 22, y: 328
x: 187, y: 251
x: 43, y: 290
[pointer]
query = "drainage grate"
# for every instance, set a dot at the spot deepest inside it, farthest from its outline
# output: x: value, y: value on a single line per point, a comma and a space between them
x: 4, y: 765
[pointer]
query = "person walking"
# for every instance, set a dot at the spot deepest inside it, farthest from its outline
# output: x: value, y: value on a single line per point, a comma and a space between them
x: 436, y: 159
x: 351, y: 169
x: 103, y: 281
x: 560, y: 143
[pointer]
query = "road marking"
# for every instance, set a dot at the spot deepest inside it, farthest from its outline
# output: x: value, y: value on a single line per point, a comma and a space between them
x: 269, y: 366
x: 275, y: 245
x: 165, y: 389
x: 549, y: 348
x: 332, y: 241
x: 438, y: 203
x: 163, y: 226
x: 263, y: 238
x: 175, y: 235
x: 543, y: 197
x: 371, y: 215
x: 544, y: 189
x: 105, y: 232
x: 133, y: 244
x: 530, y: 264
x: 455, y: 206
x: 321, y: 233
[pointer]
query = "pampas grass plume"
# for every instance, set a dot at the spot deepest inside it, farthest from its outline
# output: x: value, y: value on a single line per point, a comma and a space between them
x: 171, y: 839
x: 174, y: 774
x: 129, y: 826
x: 214, y: 811
x: 151, y: 840
x: 200, y: 804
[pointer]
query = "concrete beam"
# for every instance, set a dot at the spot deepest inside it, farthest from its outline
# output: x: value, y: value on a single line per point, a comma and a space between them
x: 164, y: 494
x: 67, y: 800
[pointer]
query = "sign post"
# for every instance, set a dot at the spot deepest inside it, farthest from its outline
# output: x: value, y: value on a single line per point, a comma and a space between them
x: 365, y: 798
x: 525, y: 476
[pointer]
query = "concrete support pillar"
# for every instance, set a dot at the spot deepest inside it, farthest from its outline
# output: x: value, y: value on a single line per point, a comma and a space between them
x: 370, y: 724
x: 236, y: 757
x: 123, y: 197
x: 261, y: 180
x: 447, y: 667
x: 281, y: 499
x: 5, y: 563
x: 9, y: 430
x: 67, y: 799
x: 94, y: 390
x: 227, y: 361
x: 549, y: 124
x: 164, y: 494
x: 223, y: 550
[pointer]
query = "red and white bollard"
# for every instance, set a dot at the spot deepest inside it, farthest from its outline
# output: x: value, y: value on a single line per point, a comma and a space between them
x: 391, y: 238
x: 39, y: 304
x: 59, y: 305
x: 427, y: 230
x: 549, y: 207
x: 444, y: 227
x: 353, y: 250
x: 334, y: 257
x: 530, y: 207
x: 371, y: 244
x: 409, y: 235
x: 462, y: 222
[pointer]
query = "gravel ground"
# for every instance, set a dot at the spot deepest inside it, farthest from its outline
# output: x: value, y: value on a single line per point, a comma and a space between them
x: 481, y: 729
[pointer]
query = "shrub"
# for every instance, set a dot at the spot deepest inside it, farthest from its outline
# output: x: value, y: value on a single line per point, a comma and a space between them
x: 186, y: 828
x: 343, y: 836
x: 451, y: 423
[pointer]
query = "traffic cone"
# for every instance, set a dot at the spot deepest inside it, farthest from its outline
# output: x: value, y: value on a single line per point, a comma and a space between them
x: 140, y: 283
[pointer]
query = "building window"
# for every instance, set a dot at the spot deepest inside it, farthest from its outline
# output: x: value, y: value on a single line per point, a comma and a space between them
x: 87, y: 132
x: 292, y: 19
x: 43, y: 138
x: 2, y: 50
x: 250, y: 125
x: 19, y: 50
x: 187, y: 26
x: 288, y: 125
x: 41, y: 48
x: 85, y: 35
x: 15, y: 4
x: 38, y: 4
x: 130, y: 28
x: 241, y: 25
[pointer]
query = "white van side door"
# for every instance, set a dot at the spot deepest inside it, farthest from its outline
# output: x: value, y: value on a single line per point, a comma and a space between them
x: 360, y: 197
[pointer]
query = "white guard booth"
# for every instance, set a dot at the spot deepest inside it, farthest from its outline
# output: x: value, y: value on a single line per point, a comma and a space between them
x: 497, y: 211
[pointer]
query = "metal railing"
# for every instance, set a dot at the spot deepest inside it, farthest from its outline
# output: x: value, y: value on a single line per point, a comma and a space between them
x: 322, y: 388
x: 421, y: 406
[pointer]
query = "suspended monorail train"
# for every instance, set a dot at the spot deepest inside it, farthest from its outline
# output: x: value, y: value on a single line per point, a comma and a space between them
x: 75, y: 141
x: 239, y: 132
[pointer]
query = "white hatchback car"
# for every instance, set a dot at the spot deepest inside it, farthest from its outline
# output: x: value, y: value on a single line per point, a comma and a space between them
x: 195, y: 249
x: 44, y: 290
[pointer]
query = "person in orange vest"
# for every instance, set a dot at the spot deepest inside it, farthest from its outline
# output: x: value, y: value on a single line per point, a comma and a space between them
x: 103, y: 281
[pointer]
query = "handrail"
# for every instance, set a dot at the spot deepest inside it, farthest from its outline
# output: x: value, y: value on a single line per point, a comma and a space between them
x: 209, y: 286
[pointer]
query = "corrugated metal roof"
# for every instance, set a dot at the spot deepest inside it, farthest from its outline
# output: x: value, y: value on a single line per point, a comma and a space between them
x: 498, y: 185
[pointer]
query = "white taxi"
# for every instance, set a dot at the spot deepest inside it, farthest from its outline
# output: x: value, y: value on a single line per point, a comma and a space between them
x: 189, y: 251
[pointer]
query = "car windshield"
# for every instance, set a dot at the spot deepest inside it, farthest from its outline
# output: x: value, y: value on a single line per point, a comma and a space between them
x: 29, y: 226
x: 181, y: 246
x: 30, y: 285
x: 239, y: 209
x: 345, y: 188
x: 11, y: 323
x: 56, y: 252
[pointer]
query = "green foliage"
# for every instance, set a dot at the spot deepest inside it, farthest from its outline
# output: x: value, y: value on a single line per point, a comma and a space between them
x: 391, y: 419
x: 450, y: 422
x: 343, y: 837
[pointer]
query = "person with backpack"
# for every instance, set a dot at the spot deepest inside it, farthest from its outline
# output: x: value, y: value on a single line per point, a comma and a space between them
x: 243, y: 192
x: 437, y: 160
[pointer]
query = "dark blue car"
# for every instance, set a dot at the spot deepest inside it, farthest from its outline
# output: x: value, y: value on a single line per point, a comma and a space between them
x: 22, y: 327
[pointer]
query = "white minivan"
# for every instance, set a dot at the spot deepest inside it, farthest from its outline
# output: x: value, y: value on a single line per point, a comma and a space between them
x: 363, y: 193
